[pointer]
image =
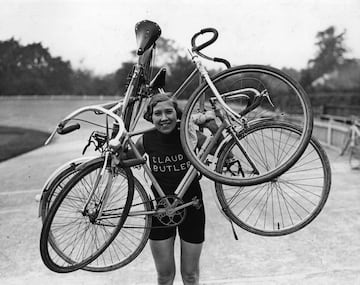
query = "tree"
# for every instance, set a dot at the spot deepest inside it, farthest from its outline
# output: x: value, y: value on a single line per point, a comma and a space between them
x: 330, y: 54
x: 31, y: 69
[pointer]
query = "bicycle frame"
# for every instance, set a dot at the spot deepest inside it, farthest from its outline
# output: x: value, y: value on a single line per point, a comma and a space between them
x: 111, y: 109
x: 181, y: 188
x: 139, y: 85
x: 170, y: 207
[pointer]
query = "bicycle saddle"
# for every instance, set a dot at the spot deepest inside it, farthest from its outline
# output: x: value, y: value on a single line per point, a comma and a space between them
x: 147, y: 33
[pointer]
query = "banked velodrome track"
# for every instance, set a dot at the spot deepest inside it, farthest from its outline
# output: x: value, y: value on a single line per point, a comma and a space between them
x: 325, y: 252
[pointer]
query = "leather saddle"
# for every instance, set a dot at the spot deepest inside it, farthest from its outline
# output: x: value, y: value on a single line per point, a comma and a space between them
x: 147, y: 32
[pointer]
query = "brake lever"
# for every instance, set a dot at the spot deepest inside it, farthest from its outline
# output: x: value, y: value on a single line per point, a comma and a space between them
x: 265, y: 94
x: 88, y: 144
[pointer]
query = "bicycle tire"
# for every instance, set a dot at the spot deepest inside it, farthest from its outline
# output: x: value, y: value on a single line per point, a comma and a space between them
x: 132, y: 238
x: 287, y: 96
x: 59, y: 258
x: 287, y: 203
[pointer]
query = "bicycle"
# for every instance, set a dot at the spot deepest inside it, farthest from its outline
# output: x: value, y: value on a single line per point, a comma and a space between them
x: 352, y: 144
x: 308, y: 195
x: 242, y: 94
x: 233, y: 127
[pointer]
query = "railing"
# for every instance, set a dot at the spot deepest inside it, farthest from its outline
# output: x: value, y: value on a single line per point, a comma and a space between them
x: 331, y: 130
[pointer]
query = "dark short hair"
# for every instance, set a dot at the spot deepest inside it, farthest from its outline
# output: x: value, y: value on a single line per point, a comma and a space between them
x: 161, y: 97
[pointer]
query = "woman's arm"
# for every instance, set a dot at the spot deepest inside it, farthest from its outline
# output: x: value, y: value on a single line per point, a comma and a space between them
x: 205, y: 120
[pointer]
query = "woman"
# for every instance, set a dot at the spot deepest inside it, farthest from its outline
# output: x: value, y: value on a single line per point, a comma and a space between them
x: 169, y: 164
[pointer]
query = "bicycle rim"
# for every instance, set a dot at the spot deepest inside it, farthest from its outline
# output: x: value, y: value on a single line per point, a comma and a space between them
x: 288, y: 202
x: 70, y: 239
x: 290, y: 101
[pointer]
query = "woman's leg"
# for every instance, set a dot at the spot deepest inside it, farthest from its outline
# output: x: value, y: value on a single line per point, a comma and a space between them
x: 163, y: 254
x: 190, y: 258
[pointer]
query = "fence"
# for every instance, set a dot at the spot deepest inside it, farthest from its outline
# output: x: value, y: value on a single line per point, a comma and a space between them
x: 331, y: 130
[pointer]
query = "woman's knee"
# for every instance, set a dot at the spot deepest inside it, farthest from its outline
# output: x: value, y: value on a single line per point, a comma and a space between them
x: 190, y: 276
x: 163, y: 253
x: 166, y: 276
x: 190, y: 259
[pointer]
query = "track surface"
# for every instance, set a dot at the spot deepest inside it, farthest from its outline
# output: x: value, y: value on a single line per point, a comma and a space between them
x: 325, y: 252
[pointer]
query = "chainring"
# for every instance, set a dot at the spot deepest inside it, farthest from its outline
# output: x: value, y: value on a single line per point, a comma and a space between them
x: 167, y: 214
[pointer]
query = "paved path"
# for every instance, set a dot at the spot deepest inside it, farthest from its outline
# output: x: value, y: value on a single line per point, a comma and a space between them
x: 325, y: 252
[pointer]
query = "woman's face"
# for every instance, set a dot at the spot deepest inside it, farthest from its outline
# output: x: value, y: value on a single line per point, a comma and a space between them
x: 164, y: 117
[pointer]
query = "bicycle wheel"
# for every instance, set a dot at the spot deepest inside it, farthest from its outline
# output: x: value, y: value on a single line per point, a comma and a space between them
x: 286, y: 203
x: 354, y: 158
x: 132, y: 238
x: 72, y: 237
x: 128, y: 244
x: 237, y: 87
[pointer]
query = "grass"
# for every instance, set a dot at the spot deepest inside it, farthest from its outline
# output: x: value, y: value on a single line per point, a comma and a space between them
x: 15, y: 141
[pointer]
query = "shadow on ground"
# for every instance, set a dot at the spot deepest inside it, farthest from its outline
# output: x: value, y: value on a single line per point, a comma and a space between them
x: 15, y: 141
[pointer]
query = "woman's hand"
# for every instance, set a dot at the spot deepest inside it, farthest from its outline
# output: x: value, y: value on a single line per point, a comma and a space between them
x: 202, y: 118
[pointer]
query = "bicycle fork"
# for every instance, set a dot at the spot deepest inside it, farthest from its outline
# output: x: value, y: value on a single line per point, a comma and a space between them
x: 105, y: 195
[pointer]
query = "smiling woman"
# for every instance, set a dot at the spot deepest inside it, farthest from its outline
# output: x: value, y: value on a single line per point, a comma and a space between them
x: 15, y: 141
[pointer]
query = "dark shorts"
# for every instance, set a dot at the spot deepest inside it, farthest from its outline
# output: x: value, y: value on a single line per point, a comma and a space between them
x: 192, y: 229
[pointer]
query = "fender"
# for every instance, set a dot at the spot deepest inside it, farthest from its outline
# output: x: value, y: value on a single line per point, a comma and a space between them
x: 72, y: 163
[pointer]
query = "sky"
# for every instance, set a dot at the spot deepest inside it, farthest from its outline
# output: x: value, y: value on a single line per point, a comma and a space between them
x: 99, y: 35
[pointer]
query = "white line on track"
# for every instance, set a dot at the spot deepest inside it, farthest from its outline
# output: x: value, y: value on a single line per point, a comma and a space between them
x: 19, y: 192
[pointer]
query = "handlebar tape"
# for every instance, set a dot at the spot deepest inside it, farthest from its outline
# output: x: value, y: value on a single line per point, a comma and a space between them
x: 209, y: 42
x: 69, y: 129
x: 224, y: 61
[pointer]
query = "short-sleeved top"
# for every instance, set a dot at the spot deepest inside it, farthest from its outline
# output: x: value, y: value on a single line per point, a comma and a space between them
x: 168, y: 161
